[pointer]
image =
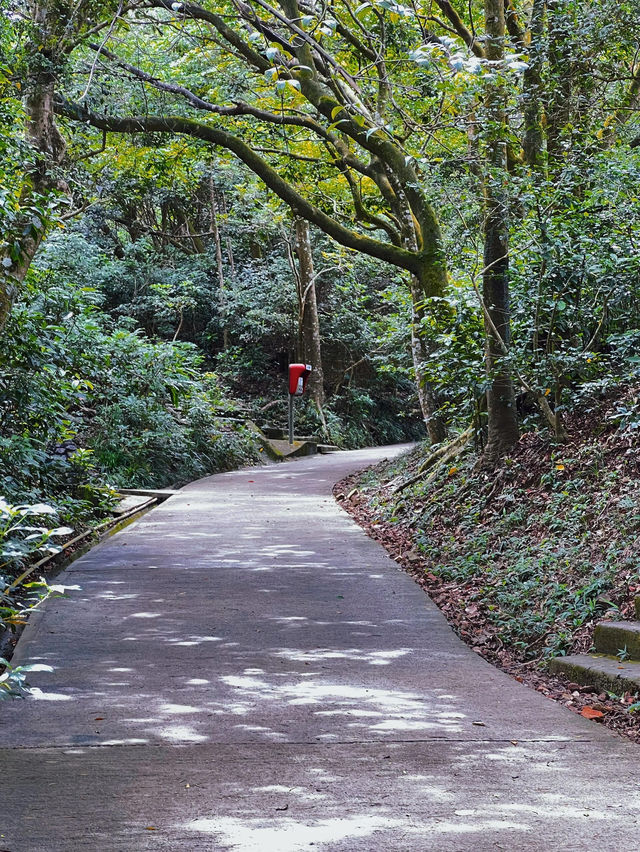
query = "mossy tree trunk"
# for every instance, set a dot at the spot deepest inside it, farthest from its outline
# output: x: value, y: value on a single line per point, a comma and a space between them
x: 48, y: 146
x: 503, y: 430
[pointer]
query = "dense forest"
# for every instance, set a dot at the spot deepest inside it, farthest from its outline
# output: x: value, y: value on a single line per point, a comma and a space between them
x: 433, y: 203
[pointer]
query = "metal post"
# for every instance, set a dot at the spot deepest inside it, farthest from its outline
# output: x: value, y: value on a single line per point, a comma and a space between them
x: 291, y: 418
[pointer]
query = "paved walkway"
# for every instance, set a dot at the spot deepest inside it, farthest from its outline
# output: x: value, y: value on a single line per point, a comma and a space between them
x: 243, y: 669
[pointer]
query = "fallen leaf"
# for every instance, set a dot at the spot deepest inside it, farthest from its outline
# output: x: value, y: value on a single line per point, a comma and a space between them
x: 285, y: 808
x: 479, y: 724
x: 590, y: 713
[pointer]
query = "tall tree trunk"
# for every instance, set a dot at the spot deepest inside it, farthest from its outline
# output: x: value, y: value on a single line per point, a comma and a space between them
x: 430, y: 403
x: 559, y: 107
x: 49, y: 147
x: 430, y: 282
x: 501, y: 410
x: 309, y: 324
x: 222, y: 294
x: 532, y: 89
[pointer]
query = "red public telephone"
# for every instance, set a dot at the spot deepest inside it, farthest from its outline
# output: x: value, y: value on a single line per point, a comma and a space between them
x: 298, y: 377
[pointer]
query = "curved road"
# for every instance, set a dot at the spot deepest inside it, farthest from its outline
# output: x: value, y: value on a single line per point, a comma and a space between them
x: 243, y: 669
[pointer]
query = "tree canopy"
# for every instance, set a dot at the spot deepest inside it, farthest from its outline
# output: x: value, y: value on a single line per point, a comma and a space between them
x: 458, y: 145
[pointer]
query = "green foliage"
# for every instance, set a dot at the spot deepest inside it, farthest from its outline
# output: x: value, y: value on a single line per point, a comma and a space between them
x: 86, y: 399
x: 539, y: 551
x: 13, y: 679
x: 24, y: 534
x: 575, y: 289
x: 20, y: 538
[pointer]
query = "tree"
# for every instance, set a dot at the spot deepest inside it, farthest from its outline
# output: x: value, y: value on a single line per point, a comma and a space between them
x: 35, y: 49
x: 355, y: 117
x: 309, y: 339
x: 501, y: 404
x: 385, y: 189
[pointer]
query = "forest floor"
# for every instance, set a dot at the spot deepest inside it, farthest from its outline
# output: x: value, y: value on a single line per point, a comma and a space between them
x: 524, y: 562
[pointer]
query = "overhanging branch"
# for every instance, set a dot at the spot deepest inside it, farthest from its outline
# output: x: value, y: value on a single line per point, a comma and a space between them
x: 395, y: 255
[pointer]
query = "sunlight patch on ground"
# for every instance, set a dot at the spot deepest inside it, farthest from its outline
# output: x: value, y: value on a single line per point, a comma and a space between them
x: 298, y: 792
x: 254, y: 836
x: 373, y: 658
x: 180, y: 708
x: 112, y: 596
x: 415, y: 724
x: 358, y: 714
x: 180, y: 734
x: 477, y: 827
x: 41, y: 695
x: 130, y: 741
x: 190, y: 641
x: 144, y: 615
x: 283, y: 619
x: 393, y: 710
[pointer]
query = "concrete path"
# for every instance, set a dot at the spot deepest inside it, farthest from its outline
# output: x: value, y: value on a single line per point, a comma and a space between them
x: 243, y: 669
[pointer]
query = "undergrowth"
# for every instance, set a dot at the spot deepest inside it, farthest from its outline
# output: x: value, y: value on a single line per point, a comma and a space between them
x: 529, y: 557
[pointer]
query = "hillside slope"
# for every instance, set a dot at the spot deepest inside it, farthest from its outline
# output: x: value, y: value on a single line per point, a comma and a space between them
x: 524, y: 562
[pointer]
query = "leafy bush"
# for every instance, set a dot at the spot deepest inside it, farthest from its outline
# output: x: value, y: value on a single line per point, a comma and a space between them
x: 13, y: 680
x: 86, y: 400
x: 23, y: 536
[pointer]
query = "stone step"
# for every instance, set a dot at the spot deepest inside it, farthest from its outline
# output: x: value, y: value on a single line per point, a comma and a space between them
x: 637, y: 606
x: 614, y: 637
x: 325, y: 449
x: 602, y: 672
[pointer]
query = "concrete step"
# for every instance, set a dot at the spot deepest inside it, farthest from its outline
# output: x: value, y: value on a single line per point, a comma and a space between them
x: 325, y: 449
x: 299, y: 448
x: 160, y: 493
x: 603, y: 672
x: 130, y: 502
x: 613, y: 637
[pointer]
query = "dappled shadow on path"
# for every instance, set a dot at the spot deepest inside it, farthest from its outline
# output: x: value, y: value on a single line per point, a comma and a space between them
x: 256, y: 642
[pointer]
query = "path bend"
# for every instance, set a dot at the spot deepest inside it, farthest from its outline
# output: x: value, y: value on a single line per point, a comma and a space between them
x: 243, y: 669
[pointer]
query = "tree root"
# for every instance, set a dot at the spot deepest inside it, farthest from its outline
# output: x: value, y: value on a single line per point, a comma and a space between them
x: 439, y: 457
